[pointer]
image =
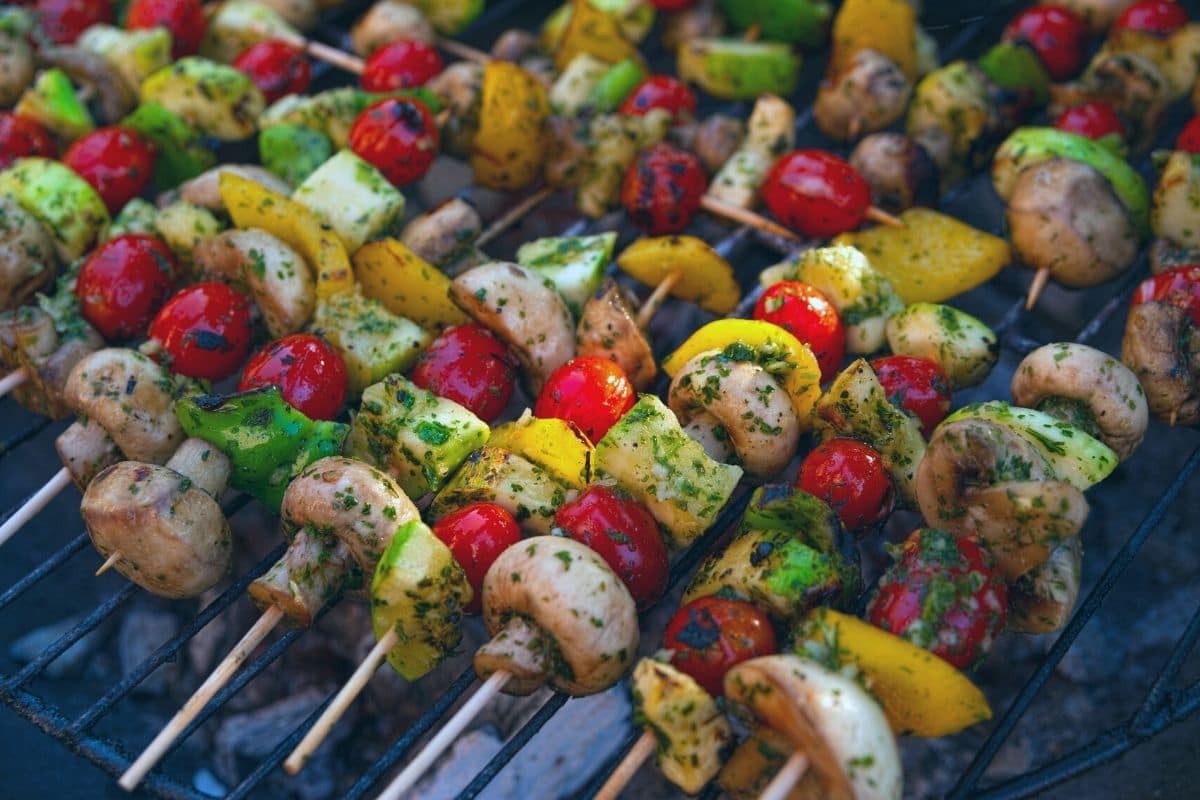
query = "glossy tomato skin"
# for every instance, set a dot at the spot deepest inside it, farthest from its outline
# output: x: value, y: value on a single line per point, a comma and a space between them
x: 309, y: 372
x: 184, y: 19
x: 1058, y: 35
x: 204, y: 331
x: 122, y: 284
x: 63, y: 20
x: 1094, y: 119
x: 476, y: 535
x: 591, y: 392
x: 673, y: 5
x: 469, y: 365
x: 808, y: 315
x: 1159, y: 17
x: 1189, y: 137
x: 624, y: 534
x: 401, y: 64
x: 852, y: 478
x: 711, y: 635
x: 917, y: 385
x: 276, y: 68
x: 398, y: 136
x: 1179, y: 287
x: 662, y: 189
x: 21, y: 137
x: 942, y: 594
x: 661, y: 91
x: 816, y: 193
x: 116, y: 161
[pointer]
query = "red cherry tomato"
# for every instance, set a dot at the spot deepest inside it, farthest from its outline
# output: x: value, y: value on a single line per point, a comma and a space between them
x: 589, y: 391
x: 942, y: 594
x: 916, y: 385
x: 476, y: 535
x: 816, y: 193
x: 399, y: 136
x: 1058, y: 35
x: 809, y: 316
x: 123, y: 282
x: 673, y: 5
x: 117, y: 162
x: 711, y: 635
x: 1094, y: 119
x: 310, y: 374
x: 1179, y: 287
x: 1160, y: 17
x: 402, y: 64
x: 204, y: 331
x: 852, y: 478
x: 63, y: 20
x: 661, y: 91
x: 1189, y: 137
x: 469, y: 365
x: 662, y: 189
x: 276, y: 68
x: 22, y: 136
x: 184, y: 19
x: 624, y: 534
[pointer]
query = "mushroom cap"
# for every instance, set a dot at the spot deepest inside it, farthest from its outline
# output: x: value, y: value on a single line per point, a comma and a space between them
x: 173, y: 537
x: 116, y: 97
x: 566, y: 590
x: 1162, y: 347
x: 1043, y: 599
x: 899, y: 171
x: 706, y: 279
x: 27, y: 255
x: 607, y: 328
x: 866, y: 94
x: 828, y: 717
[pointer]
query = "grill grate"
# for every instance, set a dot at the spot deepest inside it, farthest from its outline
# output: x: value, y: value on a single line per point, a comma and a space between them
x: 1164, y: 704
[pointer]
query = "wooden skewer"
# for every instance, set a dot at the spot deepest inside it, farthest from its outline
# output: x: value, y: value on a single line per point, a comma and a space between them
x: 445, y: 737
x: 646, y: 312
x: 876, y: 214
x: 786, y: 779
x: 109, y: 563
x: 642, y: 749
x: 1174, y: 417
x: 12, y: 380
x: 746, y: 217
x: 196, y: 703
x: 463, y: 51
x: 321, y: 52
x: 41, y: 499
x: 1036, y: 287
x: 513, y: 215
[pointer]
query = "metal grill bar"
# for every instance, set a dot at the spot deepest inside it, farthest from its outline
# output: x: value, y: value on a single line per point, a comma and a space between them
x: 42, y: 570
x: 21, y: 438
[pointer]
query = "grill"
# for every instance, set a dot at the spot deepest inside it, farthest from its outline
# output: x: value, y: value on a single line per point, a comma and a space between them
x: 1082, y: 316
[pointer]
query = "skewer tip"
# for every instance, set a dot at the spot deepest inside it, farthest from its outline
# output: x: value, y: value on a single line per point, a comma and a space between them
x: 877, y: 214
x: 1036, y: 287
x: 109, y: 563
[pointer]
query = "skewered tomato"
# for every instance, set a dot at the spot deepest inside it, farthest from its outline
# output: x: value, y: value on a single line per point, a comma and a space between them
x: 661, y: 91
x: 476, y: 535
x: 63, y: 20
x: 816, y: 193
x: 469, y: 365
x: 399, y: 136
x: 204, y: 331
x: 1160, y: 17
x: 672, y: 5
x: 662, y: 189
x: 1058, y: 35
x: 402, y: 64
x: 809, y: 316
x: 22, y: 136
x: 1189, y: 137
x: 942, y: 594
x: 310, y: 374
x: 852, y: 478
x: 184, y: 19
x: 123, y: 282
x: 590, y: 391
x: 116, y: 161
x: 276, y: 68
x: 1094, y: 119
x: 917, y: 385
x: 710, y: 635
x: 624, y: 534
x: 1179, y: 287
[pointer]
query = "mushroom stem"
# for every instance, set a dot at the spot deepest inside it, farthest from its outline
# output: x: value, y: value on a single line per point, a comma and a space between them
x: 321, y: 52
x: 646, y: 312
x: 787, y: 777
x: 34, y: 504
x: 1036, y: 287
x: 204, y: 465
x: 876, y: 214
x: 463, y: 51
x: 109, y: 562
x: 746, y: 217
x: 513, y: 215
x: 13, y: 380
x: 642, y: 749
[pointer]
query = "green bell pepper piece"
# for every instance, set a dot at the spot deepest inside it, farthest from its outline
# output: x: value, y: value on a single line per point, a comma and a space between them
x: 293, y: 152
x: 615, y: 85
x: 803, y: 22
x: 181, y: 157
x: 1016, y: 66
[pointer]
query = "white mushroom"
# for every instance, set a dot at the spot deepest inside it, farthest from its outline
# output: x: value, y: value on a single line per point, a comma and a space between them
x: 868, y: 94
x: 1162, y: 347
x: 387, y: 21
x: 899, y: 171
x: 27, y: 255
x: 279, y: 279
x: 1042, y: 600
x: 607, y: 328
x: 444, y: 234
x: 29, y: 340
x: 16, y: 68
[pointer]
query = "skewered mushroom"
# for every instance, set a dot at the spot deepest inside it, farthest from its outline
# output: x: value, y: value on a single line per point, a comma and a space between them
x: 867, y: 94
x: 16, y: 68
x: 607, y: 328
x: 458, y: 87
x: 444, y: 235
x: 700, y: 21
x: 1042, y: 600
x: 114, y: 97
x: 714, y: 139
x: 27, y: 254
x: 1162, y: 347
x: 31, y: 340
x: 899, y: 171
x: 279, y: 279
x: 387, y: 21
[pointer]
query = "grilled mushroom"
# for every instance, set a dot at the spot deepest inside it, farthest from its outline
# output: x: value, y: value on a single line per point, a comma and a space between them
x: 514, y: 45
x: 566, y: 149
x: 204, y: 190
x: 899, y: 171
x: 1162, y: 347
x: 701, y: 20
x: 16, y: 68
x: 607, y: 328
x: 444, y: 234
x: 1134, y: 87
x: 714, y: 139
x: 868, y: 94
x: 279, y: 279
x: 30, y: 340
x: 387, y: 21
x: 27, y: 255
x: 1042, y: 600
x: 459, y: 88
x: 114, y: 97
x: 300, y: 14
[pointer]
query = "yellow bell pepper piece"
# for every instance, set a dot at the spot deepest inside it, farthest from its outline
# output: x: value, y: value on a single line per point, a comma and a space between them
x: 802, y: 382
x: 920, y: 693
x: 888, y: 27
x: 705, y: 278
x: 251, y: 205
x: 508, y: 150
x: 553, y: 444
x: 406, y: 284
x: 933, y: 258
x: 595, y: 32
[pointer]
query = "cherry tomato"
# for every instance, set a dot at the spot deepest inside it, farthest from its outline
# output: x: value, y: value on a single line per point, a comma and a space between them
x: 117, y: 162
x: 816, y: 193
x: 661, y: 91
x: 1179, y: 287
x: 277, y: 68
x: 589, y: 391
x: 1094, y: 119
x: 852, y: 478
x: 22, y: 136
x: 711, y: 635
x: 310, y: 374
x: 184, y: 19
x: 123, y: 282
x: 1058, y: 35
x: 204, y: 331
x: 916, y: 385
x: 1159, y: 17
x: 662, y: 189
x: 402, y: 64
x: 942, y: 594
x: 1189, y: 137
x: 809, y: 316
x: 399, y: 136
x: 469, y: 365
x: 63, y: 20
x: 624, y: 534
x: 672, y: 5
x: 476, y: 535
